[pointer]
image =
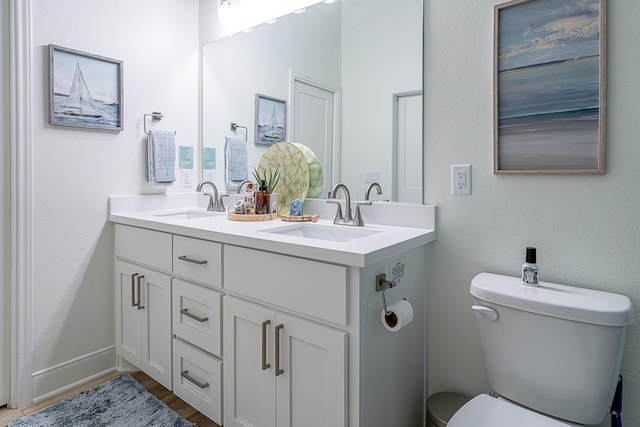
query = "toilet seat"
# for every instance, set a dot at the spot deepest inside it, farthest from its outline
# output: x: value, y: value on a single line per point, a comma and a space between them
x: 486, y: 411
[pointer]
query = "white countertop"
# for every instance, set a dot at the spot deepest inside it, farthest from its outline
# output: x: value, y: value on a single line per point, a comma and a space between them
x: 387, y: 242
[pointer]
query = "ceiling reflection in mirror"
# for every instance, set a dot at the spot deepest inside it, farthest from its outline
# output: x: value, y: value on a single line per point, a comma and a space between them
x: 350, y: 76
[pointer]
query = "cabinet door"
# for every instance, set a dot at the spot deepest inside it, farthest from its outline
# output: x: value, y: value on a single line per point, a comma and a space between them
x: 249, y: 395
x: 127, y: 313
x: 155, y: 309
x: 311, y: 388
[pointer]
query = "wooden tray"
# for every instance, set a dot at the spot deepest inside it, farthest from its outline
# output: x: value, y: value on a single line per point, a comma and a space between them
x: 252, y: 217
x: 299, y: 218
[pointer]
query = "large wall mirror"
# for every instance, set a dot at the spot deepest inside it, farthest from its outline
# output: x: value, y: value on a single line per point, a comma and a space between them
x: 350, y: 73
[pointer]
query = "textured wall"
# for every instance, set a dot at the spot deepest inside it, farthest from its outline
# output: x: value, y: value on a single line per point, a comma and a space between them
x: 586, y: 228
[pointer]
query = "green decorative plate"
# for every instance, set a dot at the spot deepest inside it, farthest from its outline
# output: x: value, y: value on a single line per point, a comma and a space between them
x: 294, y: 173
x: 315, y: 171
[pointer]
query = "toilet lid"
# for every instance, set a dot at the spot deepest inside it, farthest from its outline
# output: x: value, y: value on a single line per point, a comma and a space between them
x: 486, y: 411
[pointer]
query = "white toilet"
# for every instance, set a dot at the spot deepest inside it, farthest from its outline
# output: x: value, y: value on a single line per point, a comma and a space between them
x: 552, y: 353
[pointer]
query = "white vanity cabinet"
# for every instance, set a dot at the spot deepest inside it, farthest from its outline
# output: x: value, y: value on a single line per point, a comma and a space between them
x: 256, y: 328
x: 321, y: 324
x: 168, y: 316
x: 281, y: 370
x: 143, y: 301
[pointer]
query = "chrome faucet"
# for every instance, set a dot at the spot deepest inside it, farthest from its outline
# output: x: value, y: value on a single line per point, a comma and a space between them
x: 245, y: 182
x: 340, y: 218
x: 370, y: 187
x: 215, y: 203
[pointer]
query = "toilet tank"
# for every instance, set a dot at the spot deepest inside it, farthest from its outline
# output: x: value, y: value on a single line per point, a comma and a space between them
x: 556, y: 349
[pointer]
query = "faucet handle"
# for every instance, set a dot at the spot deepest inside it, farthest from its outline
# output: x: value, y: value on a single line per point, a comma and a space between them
x: 212, y: 203
x: 221, y: 205
x: 339, y: 216
x: 358, y: 219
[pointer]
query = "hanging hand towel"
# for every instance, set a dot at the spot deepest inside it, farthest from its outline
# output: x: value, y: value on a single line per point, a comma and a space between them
x: 236, y: 159
x: 161, y: 150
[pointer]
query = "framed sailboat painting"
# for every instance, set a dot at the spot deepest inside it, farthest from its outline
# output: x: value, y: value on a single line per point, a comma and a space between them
x: 271, y: 117
x: 85, y: 90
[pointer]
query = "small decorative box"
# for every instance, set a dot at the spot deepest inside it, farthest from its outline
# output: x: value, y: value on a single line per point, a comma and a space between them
x: 295, y: 207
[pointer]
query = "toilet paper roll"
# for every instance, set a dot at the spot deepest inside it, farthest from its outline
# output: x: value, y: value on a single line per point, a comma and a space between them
x: 399, y: 314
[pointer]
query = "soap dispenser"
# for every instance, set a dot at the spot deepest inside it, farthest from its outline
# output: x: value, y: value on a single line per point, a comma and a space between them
x: 262, y: 199
x: 530, y: 271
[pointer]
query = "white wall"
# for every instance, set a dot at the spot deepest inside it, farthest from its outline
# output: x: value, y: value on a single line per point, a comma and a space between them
x: 4, y: 205
x: 586, y: 228
x: 381, y: 56
x: 75, y: 170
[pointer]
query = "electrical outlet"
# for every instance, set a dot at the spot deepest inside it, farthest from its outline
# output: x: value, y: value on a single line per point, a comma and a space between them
x: 461, y: 180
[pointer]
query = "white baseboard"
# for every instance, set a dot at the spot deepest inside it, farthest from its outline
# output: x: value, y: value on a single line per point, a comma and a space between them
x: 65, y: 376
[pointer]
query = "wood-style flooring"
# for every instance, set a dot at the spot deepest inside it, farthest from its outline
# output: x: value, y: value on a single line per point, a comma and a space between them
x: 170, y: 399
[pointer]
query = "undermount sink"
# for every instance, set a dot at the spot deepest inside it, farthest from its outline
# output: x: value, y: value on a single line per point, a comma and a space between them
x: 188, y: 214
x: 322, y: 232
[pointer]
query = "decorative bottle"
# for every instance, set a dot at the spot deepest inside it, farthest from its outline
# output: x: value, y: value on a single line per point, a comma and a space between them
x: 262, y: 199
x: 530, y: 271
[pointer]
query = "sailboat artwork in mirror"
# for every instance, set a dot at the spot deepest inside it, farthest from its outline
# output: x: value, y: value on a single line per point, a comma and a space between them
x: 271, y: 115
x: 85, y: 90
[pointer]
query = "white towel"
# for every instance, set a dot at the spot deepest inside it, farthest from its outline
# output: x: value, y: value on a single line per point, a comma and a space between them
x: 236, y: 159
x: 161, y: 156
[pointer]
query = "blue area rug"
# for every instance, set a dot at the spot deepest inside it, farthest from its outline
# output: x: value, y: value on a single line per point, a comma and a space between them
x: 120, y: 402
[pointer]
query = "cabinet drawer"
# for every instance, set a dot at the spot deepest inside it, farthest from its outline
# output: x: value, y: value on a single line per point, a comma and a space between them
x: 197, y: 379
x: 309, y: 287
x: 142, y: 246
x: 197, y: 315
x: 197, y: 260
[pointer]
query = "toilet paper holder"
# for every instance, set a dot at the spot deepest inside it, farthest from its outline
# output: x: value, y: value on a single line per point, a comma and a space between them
x: 382, y: 284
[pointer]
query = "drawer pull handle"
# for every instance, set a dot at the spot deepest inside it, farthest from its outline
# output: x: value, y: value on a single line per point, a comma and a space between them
x: 140, y: 306
x: 185, y: 374
x: 192, y: 260
x: 279, y: 370
x: 185, y: 311
x: 133, y: 289
x: 265, y: 365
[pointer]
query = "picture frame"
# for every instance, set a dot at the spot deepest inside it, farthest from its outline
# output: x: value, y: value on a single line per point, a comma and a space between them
x: 271, y: 120
x: 549, y: 87
x: 85, y: 90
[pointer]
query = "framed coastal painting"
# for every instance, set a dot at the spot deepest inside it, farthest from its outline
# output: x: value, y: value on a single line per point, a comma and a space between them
x: 85, y: 90
x: 271, y: 118
x: 549, y: 87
